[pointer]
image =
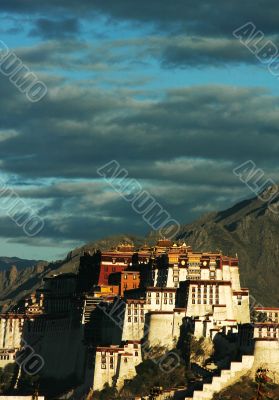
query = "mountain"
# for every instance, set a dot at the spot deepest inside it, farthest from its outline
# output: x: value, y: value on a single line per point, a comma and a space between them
x: 19, y: 277
x: 249, y: 229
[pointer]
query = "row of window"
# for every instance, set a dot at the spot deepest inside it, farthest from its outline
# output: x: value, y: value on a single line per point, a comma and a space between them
x: 205, y: 301
x: 7, y: 357
x: 134, y: 276
x: 135, y: 305
x: 136, y: 319
x: 134, y: 286
x: 135, y: 312
x: 205, y: 288
x: 158, y: 294
x: 268, y: 334
x: 158, y: 301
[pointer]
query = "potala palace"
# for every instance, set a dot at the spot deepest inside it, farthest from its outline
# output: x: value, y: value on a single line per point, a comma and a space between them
x: 95, y: 327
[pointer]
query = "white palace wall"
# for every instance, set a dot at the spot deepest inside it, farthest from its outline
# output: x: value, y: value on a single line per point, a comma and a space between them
x: 11, y: 331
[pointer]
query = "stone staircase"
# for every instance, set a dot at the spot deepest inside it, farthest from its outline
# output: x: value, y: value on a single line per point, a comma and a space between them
x: 226, y: 378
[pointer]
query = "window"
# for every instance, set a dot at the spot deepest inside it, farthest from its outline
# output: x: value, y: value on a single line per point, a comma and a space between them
x: 136, y: 353
x: 149, y: 294
x: 113, y: 260
x: 165, y: 301
x: 103, y: 366
x: 165, y: 295
x: 157, y: 294
x: 125, y: 276
x: 157, y: 302
x: 136, y: 319
x: 193, y: 301
x: 129, y: 319
x: 134, y: 277
x: 170, y: 302
x: 125, y: 360
x: 141, y: 319
x: 171, y: 294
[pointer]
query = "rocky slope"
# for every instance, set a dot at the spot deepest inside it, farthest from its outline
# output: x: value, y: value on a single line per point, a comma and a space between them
x: 251, y: 230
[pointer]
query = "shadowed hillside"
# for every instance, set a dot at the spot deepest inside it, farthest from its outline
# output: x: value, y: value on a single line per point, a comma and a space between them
x: 248, y: 229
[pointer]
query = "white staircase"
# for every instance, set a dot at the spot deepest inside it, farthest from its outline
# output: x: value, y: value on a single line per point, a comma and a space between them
x: 227, y: 378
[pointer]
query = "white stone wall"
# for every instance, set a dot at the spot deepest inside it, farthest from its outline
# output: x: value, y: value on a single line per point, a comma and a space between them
x: 161, y: 299
x: 115, y: 364
x: 134, y: 320
x: 127, y: 363
x: 160, y: 328
x: 202, y: 296
x: 10, y: 332
x: 266, y: 355
x: 234, y: 272
x: 7, y: 358
x: 106, y: 363
x: 266, y: 331
x: 241, y: 307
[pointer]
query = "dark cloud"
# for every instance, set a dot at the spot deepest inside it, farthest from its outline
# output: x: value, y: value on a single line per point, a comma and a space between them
x: 206, y: 17
x: 74, y: 130
x: 188, y: 34
x: 54, y: 29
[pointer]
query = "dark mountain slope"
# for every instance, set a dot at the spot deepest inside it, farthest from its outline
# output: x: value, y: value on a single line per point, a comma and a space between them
x: 250, y: 230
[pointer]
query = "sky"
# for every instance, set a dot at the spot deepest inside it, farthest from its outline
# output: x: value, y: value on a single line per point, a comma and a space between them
x: 162, y: 87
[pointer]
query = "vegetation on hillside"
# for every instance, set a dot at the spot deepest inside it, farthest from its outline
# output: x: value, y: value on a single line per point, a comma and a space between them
x: 6, y: 378
x: 150, y: 373
x: 247, y: 389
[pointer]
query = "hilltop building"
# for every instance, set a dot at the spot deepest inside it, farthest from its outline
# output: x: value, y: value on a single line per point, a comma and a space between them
x: 125, y: 300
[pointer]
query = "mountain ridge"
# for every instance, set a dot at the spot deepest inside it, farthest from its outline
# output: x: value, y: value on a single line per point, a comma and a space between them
x: 249, y: 229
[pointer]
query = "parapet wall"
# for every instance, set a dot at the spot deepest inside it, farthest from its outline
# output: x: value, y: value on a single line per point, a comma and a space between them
x: 266, y: 355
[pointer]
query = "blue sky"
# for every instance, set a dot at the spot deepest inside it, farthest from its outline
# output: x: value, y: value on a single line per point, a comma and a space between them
x: 164, y: 88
